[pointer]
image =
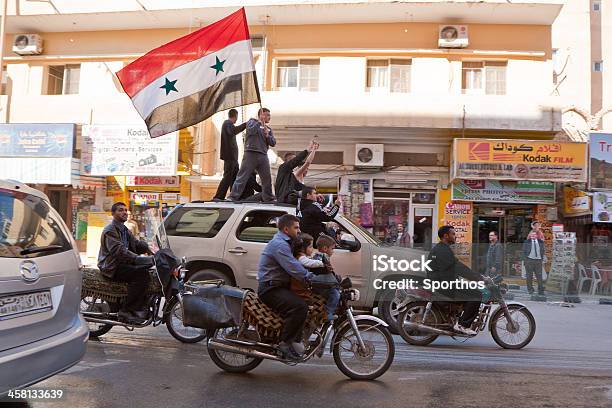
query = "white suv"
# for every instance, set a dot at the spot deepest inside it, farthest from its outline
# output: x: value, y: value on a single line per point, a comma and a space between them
x: 225, y: 240
x: 41, y: 330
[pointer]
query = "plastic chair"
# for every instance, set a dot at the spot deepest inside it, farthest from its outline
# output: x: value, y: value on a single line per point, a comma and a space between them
x: 583, y: 278
x: 596, y: 276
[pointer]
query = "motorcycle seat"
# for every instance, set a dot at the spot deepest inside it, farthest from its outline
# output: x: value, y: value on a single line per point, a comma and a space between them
x: 99, y: 286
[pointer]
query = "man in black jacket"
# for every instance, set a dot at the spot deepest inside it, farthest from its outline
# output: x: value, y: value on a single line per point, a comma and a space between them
x: 229, y: 153
x: 445, y: 267
x: 118, y: 260
x: 312, y: 213
x: 286, y: 182
x: 494, y: 255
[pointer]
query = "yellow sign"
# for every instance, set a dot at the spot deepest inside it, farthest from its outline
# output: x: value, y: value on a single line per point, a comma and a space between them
x: 519, y: 160
x: 575, y: 202
x: 96, y: 221
x: 460, y: 216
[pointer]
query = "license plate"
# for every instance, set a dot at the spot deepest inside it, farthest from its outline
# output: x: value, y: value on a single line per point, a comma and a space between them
x: 26, y: 303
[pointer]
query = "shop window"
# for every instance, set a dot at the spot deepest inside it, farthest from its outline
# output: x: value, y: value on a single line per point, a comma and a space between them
x: 63, y: 79
x: 484, y: 77
x: 300, y: 74
x: 197, y: 222
x: 259, y: 226
x: 391, y: 75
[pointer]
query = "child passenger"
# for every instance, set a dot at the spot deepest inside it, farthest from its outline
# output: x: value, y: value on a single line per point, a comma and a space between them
x: 319, y: 264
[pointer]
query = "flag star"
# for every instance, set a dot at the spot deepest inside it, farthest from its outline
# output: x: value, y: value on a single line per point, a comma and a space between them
x: 218, y: 67
x: 169, y: 86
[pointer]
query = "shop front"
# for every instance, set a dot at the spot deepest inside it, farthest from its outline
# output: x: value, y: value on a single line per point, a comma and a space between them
x: 511, y: 184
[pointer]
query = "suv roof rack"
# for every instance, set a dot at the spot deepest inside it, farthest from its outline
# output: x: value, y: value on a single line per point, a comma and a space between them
x: 274, y: 203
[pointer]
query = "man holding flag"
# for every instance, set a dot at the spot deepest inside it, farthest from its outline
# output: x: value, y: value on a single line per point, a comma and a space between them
x: 258, y: 138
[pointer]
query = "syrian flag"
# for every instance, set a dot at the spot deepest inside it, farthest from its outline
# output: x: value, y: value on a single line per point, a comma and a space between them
x: 191, y: 78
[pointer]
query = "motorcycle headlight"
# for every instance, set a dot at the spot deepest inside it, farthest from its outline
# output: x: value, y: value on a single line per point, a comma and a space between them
x: 355, y: 295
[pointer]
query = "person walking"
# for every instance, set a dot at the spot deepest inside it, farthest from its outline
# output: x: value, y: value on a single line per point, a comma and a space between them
x: 259, y: 138
x: 229, y: 153
x: 533, y: 255
x: 494, y: 256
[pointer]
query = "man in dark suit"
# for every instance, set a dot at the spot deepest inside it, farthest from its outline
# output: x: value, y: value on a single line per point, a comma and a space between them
x: 229, y: 153
x: 533, y: 256
x: 118, y: 260
x: 494, y: 255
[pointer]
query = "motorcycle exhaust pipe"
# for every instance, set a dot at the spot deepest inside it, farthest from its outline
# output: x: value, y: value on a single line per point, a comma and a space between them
x: 427, y: 329
x: 229, y: 348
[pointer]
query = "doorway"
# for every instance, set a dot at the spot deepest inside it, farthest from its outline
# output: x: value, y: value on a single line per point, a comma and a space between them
x: 421, y: 226
x: 60, y: 200
x: 484, y: 225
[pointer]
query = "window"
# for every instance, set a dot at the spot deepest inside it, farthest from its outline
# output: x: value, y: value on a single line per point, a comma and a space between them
x: 302, y: 74
x: 596, y: 5
x: 598, y: 66
x: 257, y: 42
x: 484, y: 77
x: 63, y: 79
x: 197, y: 222
x: 391, y: 75
x: 258, y: 226
x: 27, y: 222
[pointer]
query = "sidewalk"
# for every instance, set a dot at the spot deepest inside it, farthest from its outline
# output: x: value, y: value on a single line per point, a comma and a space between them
x: 522, y: 295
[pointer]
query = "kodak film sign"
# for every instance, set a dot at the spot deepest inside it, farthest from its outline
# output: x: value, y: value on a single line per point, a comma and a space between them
x: 519, y: 160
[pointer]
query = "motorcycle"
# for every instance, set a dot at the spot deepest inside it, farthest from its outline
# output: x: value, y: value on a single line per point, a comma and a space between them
x: 361, y: 345
x: 422, y: 320
x: 101, y: 298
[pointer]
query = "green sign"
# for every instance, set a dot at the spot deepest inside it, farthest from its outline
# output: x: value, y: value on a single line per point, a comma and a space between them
x: 496, y: 191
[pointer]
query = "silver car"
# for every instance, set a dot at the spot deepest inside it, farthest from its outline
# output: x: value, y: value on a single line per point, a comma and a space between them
x: 41, y: 330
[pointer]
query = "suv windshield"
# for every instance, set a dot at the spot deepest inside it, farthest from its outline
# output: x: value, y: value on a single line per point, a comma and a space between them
x: 371, y: 238
x: 28, y: 227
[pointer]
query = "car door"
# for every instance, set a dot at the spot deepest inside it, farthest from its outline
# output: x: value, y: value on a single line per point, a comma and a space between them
x: 245, y: 243
x: 354, y: 265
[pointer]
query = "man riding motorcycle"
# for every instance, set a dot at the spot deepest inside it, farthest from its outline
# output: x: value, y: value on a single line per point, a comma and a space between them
x: 445, y: 267
x: 277, y: 266
x: 118, y: 260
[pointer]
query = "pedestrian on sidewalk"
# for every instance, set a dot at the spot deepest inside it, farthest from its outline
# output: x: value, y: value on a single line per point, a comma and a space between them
x: 494, y: 255
x: 290, y: 175
x: 533, y: 255
x: 229, y: 152
x: 259, y: 138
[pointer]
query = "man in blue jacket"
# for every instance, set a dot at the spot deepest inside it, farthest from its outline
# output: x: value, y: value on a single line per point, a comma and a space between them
x: 258, y: 139
x: 277, y: 266
x: 533, y: 256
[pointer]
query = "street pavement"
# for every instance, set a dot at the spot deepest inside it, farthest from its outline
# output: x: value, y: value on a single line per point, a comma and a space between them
x: 568, y: 364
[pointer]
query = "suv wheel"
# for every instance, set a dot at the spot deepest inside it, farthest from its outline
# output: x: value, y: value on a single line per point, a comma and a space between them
x: 209, y: 274
x: 387, y: 309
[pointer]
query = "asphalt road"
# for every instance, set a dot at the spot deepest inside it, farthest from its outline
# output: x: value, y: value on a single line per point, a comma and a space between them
x: 568, y: 364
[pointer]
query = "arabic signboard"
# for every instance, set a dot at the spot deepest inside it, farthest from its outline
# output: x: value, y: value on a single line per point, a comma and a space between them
x: 36, y: 140
x: 575, y: 202
x: 601, y: 161
x: 153, y: 181
x: 519, y: 160
x: 111, y: 150
x: 602, y: 207
x: 494, y: 191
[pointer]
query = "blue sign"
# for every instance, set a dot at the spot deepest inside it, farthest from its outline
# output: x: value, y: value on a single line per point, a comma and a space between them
x: 36, y: 139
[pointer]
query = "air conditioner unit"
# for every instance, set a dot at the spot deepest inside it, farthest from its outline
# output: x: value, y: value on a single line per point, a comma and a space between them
x: 27, y: 44
x: 453, y: 36
x: 369, y: 155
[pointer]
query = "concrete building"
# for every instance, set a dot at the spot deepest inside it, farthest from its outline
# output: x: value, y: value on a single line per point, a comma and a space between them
x: 351, y: 72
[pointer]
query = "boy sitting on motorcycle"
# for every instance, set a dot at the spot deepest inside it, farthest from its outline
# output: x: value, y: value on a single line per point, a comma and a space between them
x: 320, y: 265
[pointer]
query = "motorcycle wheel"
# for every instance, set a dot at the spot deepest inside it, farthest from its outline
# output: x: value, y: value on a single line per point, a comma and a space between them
x: 91, y: 304
x: 231, y: 362
x: 414, y: 313
x: 174, y: 324
x: 504, y: 335
x: 350, y: 359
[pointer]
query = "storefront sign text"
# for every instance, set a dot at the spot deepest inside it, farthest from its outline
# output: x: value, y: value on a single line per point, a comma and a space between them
x: 519, y: 160
x: 532, y: 192
x: 601, y: 161
x: 36, y: 140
